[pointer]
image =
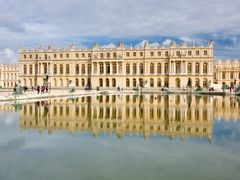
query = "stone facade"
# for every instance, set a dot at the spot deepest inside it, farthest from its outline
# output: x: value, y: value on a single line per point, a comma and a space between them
x: 175, y: 66
x: 8, y: 75
x: 227, y: 72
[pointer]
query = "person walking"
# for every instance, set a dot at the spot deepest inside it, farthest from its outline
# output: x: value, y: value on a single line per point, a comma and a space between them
x: 38, y: 89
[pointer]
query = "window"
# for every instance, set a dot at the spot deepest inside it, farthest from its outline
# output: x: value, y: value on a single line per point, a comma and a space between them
x: 83, y: 82
x: 189, y: 53
x: 45, y: 56
x: 159, y: 68
x: 166, y: 53
x: 127, y: 82
x: 223, y: 75
x: 197, y: 53
x: 108, y: 55
x: 178, y: 53
x: 101, y: 68
x: 61, y: 69
x: 127, y: 54
x: 151, y: 68
x: 159, y: 53
x: 83, y: 55
x: 89, y: 69
x: 30, y: 56
x: 55, y: 55
x: 197, y: 68
x: 189, y: 68
x: 205, y: 52
x: 30, y: 69
x: 101, y: 82
x: 114, y: 68
x: 151, y: 82
x: 83, y: 69
x: 77, y: 55
x: 61, y: 55
x: 231, y: 75
x: 166, y: 68
x: 36, y: 56
x: 89, y: 55
x: 134, y: 54
x: 134, y: 82
x: 141, y: 53
x: 24, y: 56
x: 205, y: 66
x: 127, y: 68
x: 67, y: 55
x: 108, y: 68
x: 151, y: 53
x: 159, y: 82
x: 77, y: 69
x: 115, y: 55
x: 141, y: 68
x: 55, y: 69
x: 67, y: 69
x: 25, y: 69
x: 101, y: 55
x: 134, y: 68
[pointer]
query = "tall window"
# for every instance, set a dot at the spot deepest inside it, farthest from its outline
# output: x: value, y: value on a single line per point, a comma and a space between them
x: 83, y: 69
x: 141, y: 68
x: 159, y: 68
x: 127, y: 82
x: 25, y: 69
x: 189, y: 68
x: 30, y: 69
x: 55, y: 69
x: 83, y: 82
x: 197, y: 68
x: 134, y: 82
x: 61, y: 69
x: 67, y: 69
x: 107, y: 82
x: 205, y: 67
x: 134, y: 68
x: 223, y: 75
x: 108, y: 55
x: 166, y: 68
x: 108, y: 68
x: 159, y: 82
x: 101, y: 68
x: 115, y: 55
x: 151, y: 68
x: 197, y: 53
x: 205, y: 52
x: 151, y: 82
x: 114, y: 68
x: 77, y: 69
x: 101, y: 82
x: 67, y: 55
x: 89, y: 70
x: 127, y: 68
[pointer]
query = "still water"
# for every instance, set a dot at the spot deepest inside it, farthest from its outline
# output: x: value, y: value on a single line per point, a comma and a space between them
x: 121, y: 137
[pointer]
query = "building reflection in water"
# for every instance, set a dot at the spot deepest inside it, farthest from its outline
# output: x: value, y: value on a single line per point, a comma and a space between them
x: 174, y: 115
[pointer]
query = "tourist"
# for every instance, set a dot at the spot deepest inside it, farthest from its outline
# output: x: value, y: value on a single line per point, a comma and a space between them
x: 38, y: 89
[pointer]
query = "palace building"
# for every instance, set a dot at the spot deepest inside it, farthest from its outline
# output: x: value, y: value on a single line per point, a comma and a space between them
x: 175, y: 66
x: 227, y: 72
x: 8, y: 75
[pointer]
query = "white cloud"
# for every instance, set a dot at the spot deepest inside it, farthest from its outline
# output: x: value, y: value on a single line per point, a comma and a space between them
x: 166, y: 42
x: 8, y: 56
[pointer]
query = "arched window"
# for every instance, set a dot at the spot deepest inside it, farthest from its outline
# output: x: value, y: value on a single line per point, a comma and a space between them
x: 89, y: 69
x: 151, y: 82
x: 61, y: 69
x: 83, y: 82
x: 141, y: 68
x: 177, y: 81
x: 76, y: 82
x: 197, y: 68
x: 205, y: 67
x: 55, y: 69
x: 159, y: 82
x: 159, y: 68
x: 77, y: 69
x: 83, y: 69
x: 127, y: 68
x: 113, y: 82
x: 101, y: 82
x: 205, y: 82
x: 107, y: 82
x: 67, y: 69
x: 151, y: 68
x: 189, y: 68
x: 134, y: 68
x: 127, y: 83
x: 134, y: 82
x: 197, y: 82
x: 30, y: 69
x: 55, y: 82
x: 114, y: 68
x: 25, y: 69
x: 101, y: 68
x: 166, y: 68
x: 141, y: 83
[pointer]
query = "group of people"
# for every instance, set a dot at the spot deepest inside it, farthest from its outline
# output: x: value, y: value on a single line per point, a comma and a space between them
x: 44, y: 88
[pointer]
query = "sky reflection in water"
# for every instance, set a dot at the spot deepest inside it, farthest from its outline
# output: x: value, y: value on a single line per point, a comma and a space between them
x: 102, y: 151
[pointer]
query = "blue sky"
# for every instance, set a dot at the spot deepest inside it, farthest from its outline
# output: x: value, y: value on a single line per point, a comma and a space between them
x: 28, y: 24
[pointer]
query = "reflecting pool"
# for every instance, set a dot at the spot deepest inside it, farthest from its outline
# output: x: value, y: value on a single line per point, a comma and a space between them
x: 121, y: 137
